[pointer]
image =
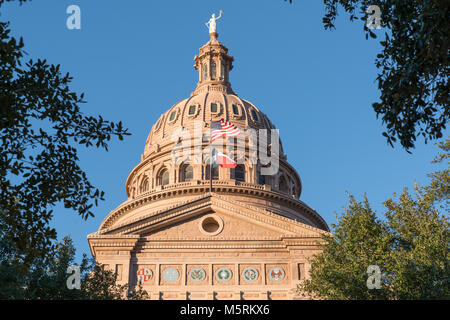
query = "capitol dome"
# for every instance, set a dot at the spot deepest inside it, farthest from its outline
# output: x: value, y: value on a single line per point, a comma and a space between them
x: 228, y: 106
x: 178, y: 207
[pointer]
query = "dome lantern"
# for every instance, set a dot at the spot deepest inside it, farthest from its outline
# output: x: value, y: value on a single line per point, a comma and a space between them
x: 213, y: 65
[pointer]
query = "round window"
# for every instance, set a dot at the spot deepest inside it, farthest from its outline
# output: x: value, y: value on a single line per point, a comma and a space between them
x: 211, y: 225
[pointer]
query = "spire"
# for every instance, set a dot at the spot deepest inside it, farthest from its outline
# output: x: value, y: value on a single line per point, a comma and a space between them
x: 213, y: 63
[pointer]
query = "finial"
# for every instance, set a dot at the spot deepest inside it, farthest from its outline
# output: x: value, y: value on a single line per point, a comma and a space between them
x: 211, y: 24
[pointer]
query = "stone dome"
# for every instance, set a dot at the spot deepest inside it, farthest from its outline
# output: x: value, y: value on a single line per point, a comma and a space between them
x: 184, y: 222
x: 213, y: 100
x: 197, y: 107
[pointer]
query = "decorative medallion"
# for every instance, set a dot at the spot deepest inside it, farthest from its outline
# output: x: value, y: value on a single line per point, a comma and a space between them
x: 144, y: 274
x: 224, y: 274
x: 171, y: 274
x: 276, y: 274
x: 250, y: 274
x: 197, y: 274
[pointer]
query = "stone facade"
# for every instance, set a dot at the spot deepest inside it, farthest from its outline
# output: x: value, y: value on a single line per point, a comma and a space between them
x: 244, y: 237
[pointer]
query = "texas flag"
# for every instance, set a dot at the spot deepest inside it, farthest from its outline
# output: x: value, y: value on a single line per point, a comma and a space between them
x: 223, y: 160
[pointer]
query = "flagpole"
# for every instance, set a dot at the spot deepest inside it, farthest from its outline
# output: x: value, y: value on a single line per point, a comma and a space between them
x: 210, y: 155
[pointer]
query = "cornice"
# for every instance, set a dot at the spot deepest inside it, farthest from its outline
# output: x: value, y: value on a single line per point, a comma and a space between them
x: 144, y: 244
x: 202, y: 187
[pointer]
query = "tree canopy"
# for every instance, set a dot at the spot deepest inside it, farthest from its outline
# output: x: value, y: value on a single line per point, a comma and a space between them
x: 41, y: 127
x: 409, y: 246
x: 413, y: 64
x: 46, y: 279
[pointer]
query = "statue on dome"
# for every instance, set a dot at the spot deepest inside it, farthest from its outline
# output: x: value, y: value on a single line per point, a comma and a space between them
x: 212, y: 22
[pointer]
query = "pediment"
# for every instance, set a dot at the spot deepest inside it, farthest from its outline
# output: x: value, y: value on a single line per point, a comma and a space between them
x: 186, y: 221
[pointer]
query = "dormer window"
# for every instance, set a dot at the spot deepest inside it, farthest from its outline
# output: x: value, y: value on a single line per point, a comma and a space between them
x: 254, y: 115
x: 158, y: 124
x: 172, y: 116
x: 235, y: 110
x: 192, y: 110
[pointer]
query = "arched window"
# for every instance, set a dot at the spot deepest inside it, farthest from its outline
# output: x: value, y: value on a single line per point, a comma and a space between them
x: 163, y: 178
x: 145, y: 185
x: 213, y: 70
x: 205, y: 71
x: 215, y: 172
x: 222, y: 70
x: 261, y: 178
x: 282, y: 184
x: 294, y: 192
x: 235, y: 110
x: 187, y: 173
x: 239, y: 172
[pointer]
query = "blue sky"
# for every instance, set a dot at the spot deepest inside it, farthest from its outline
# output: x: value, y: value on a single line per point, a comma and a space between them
x: 134, y: 60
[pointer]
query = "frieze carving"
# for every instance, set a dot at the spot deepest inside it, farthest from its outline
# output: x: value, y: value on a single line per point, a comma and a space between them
x: 219, y: 201
x: 173, y: 191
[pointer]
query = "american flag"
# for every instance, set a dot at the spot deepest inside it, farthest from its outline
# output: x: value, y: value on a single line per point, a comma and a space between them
x: 223, y: 128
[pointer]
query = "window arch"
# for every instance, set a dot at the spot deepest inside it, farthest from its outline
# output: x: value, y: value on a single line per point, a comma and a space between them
x: 214, y: 108
x: 158, y: 123
x: 213, y: 70
x: 145, y: 185
x: 215, y: 172
x: 222, y: 70
x: 173, y: 115
x: 192, y: 109
x: 239, y: 172
x: 187, y: 173
x: 205, y: 71
x: 163, y: 177
x: 282, y: 184
x: 254, y: 115
x: 261, y: 178
x: 235, y: 109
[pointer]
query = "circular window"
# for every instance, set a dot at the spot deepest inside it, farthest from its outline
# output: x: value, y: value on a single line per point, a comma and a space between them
x: 211, y: 225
